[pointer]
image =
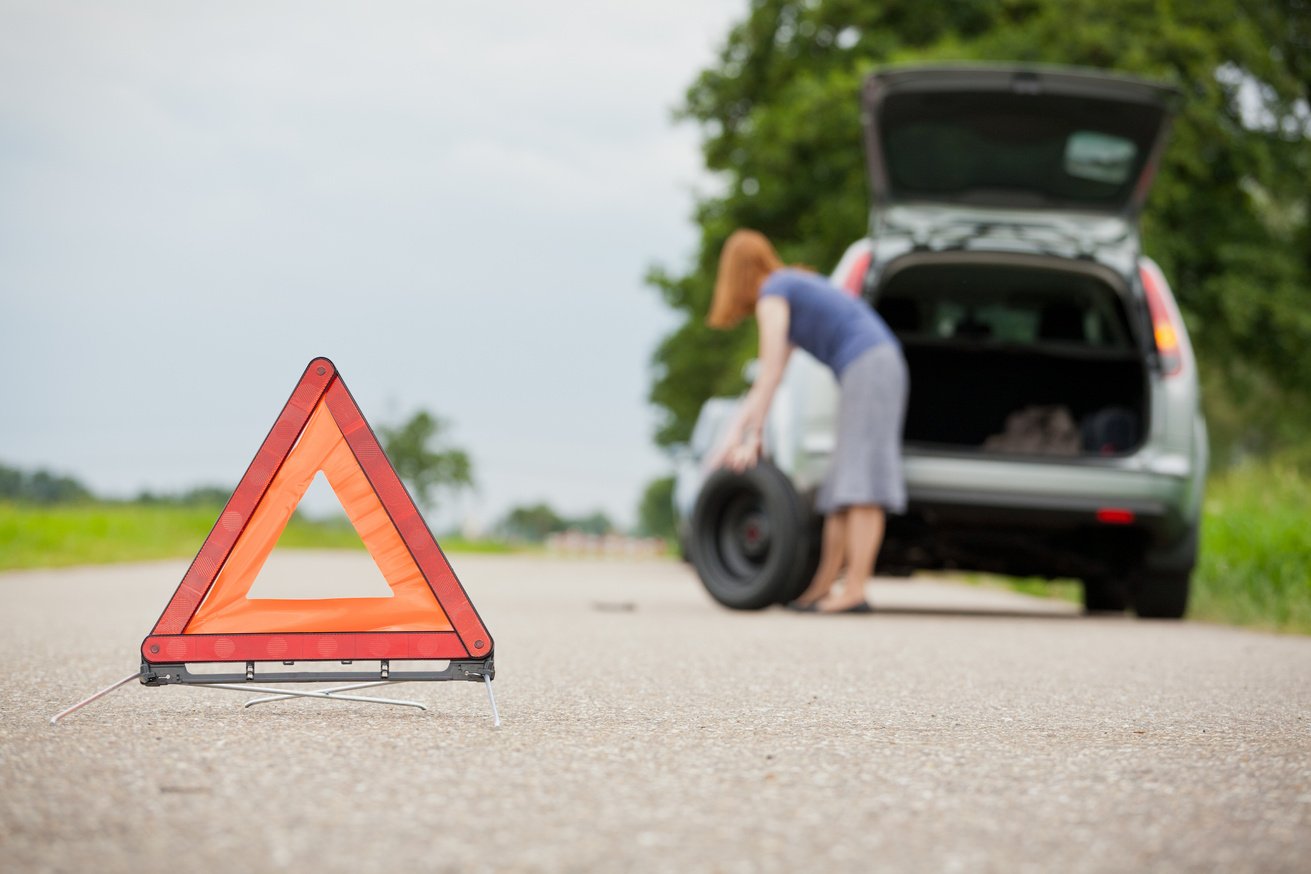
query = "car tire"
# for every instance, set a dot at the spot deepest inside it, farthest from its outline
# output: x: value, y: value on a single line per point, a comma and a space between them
x: 1160, y: 590
x: 752, y: 543
x: 1162, y: 595
x: 1105, y: 595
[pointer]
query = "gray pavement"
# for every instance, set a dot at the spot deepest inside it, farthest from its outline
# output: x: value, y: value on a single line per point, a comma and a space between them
x: 646, y: 729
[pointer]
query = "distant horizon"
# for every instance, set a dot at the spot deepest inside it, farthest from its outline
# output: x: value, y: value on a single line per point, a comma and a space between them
x: 319, y: 502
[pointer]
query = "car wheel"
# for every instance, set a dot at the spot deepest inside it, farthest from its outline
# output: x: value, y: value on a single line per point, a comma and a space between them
x: 1105, y: 595
x: 1160, y: 589
x: 751, y: 540
x: 1162, y: 594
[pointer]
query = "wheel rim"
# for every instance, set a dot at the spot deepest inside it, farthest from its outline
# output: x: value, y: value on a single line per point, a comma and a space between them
x: 743, y: 536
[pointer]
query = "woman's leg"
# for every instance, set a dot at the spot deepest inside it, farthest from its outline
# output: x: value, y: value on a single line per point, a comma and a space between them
x: 832, y: 551
x: 864, y: 528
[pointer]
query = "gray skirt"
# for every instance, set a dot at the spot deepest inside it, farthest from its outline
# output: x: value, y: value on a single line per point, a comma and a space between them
x: 866, y: 468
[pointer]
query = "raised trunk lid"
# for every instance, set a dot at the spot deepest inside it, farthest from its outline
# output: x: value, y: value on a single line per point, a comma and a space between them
x: 1016, y: 138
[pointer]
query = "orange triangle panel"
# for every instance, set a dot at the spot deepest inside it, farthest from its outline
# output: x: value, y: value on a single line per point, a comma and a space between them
x: 210, y: 617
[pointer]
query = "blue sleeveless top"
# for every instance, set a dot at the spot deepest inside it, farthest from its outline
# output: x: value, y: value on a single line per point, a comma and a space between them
x: 834, y: 327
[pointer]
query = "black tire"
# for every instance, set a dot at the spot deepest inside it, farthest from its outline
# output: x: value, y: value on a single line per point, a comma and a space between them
x: 1160, y: 590
x: 1105, y: 595
x: 752, y: 543
x: 1162, y: 594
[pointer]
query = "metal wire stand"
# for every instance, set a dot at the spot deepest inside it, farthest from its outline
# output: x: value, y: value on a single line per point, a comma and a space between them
x: 162, y: 675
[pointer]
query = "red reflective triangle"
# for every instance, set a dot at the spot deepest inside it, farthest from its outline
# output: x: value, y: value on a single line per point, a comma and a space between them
x: 429, y: 616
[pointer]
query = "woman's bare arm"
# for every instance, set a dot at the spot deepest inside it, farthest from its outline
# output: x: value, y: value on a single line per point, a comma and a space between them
x: 741, y: 447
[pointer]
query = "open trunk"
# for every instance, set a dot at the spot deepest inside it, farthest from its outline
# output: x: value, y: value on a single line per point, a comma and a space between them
x: 1014, y: 137
x: 1017, y: 356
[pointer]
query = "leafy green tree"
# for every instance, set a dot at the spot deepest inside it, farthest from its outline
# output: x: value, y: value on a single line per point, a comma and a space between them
x: 1227, y: 220
x: 535, y: 521
x: 11, y: 482
x: 655, y: 512
x: 206, y: 496
x: 40, y: 487
x: 196, y: 496
x: 593, y: 523
x: 532, y: 523
x: 417, y: 449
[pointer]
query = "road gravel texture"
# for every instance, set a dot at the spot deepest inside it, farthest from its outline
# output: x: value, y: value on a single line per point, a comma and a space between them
x: 647, y: 729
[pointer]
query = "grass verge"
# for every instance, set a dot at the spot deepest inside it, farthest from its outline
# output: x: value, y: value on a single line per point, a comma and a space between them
x: 1038, y: 587
x: 1255, y: 563
x: 103, y: 533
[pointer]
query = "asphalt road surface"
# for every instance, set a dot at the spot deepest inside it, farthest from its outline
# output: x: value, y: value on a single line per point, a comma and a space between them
x: 646, y: 729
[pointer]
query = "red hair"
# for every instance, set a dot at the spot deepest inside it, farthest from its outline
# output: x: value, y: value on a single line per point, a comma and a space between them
x: 744, y: 264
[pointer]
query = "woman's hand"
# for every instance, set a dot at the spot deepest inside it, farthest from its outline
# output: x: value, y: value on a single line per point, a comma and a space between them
x: 734, y: 451
x: 745, y: 454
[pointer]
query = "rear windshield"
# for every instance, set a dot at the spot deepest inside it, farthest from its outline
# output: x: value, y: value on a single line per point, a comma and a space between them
x: 1015, y: 150
x: 990, y: 304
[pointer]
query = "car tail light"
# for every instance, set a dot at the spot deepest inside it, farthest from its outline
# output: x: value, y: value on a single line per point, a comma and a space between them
x: 1115, y: 516
x: 853, y: 282
x: 1165, y: 327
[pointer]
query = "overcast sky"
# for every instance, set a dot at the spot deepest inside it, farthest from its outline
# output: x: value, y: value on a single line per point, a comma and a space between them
x: 456, y: 202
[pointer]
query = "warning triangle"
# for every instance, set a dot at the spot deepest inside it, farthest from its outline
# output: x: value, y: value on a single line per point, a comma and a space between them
x: 211, y: 616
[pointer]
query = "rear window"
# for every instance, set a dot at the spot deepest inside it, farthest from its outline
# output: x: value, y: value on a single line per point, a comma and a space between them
x: 981, y: 304
x: 1015, y: 149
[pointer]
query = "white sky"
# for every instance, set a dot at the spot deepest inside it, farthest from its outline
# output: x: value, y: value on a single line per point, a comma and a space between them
x: 456, y: 202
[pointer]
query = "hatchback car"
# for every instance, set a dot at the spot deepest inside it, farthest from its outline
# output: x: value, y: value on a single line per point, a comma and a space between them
x: 1053, y: 426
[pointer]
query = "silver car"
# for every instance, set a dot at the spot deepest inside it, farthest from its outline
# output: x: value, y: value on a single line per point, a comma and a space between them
x: 1054, y: 426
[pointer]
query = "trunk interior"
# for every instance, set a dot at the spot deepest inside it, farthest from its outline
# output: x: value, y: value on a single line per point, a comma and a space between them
x: 1017, y: 360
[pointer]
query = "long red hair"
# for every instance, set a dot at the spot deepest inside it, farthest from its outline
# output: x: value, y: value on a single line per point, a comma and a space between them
x: 744, y: 264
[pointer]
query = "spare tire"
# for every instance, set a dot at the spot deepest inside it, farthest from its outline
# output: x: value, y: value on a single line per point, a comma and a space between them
x: 751, y: 541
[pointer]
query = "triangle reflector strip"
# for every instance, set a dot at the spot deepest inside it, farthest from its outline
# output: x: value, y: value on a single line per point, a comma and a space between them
x: 210, y: 617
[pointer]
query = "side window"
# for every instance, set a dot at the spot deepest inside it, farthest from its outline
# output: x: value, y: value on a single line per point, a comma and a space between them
x: 946, y: 315
x: 1009, y: 324
x: 985, y: 321
x: 1095, y: 329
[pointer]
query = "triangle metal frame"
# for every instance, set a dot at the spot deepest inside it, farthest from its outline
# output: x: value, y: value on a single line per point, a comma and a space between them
x: 168, y: 646
x: 463, y: 653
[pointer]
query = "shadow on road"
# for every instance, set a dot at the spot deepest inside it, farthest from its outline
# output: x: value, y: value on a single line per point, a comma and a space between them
x: 986, y: 613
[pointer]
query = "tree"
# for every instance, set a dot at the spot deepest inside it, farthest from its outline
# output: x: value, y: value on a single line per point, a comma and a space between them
x: 535, y: 521
x: 532, y: 523
x: 196, y: 496
x: 597, y: 523
x: 1227, y: 220
x: 40, y: 487
x: 655, y: 512
x: 418, y: 451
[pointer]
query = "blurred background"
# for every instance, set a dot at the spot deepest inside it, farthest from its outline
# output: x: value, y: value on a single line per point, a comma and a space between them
x: 455, y: 202
x: 501, y: 222
x: 1226, y: 218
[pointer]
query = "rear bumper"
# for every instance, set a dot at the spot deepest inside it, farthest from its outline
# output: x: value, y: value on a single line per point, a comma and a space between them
x: 1157, y: 491
x: 1079, y: 518
x: 1006, y: 509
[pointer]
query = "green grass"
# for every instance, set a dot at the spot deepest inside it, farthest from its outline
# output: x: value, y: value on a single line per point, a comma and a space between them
x: 1059, y: 590
x: 103, y: 533
x: 1255, y: 563
x: 1254, y: 569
